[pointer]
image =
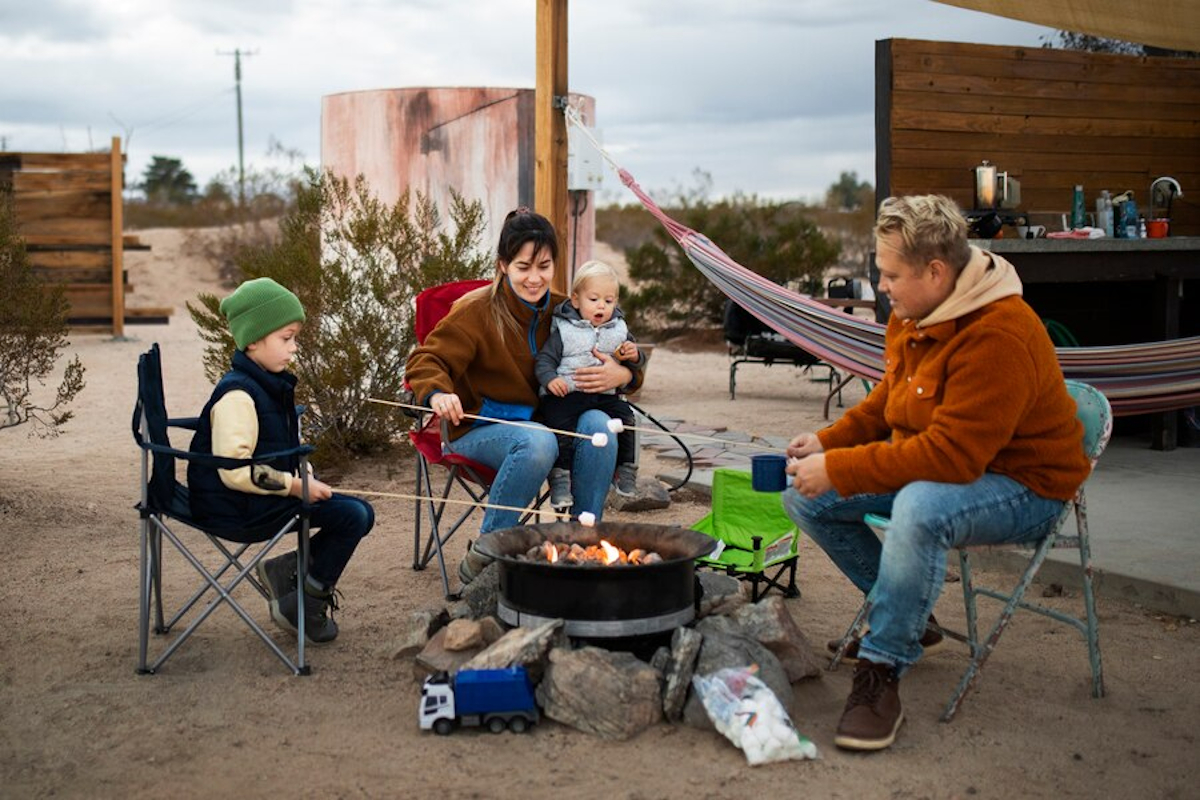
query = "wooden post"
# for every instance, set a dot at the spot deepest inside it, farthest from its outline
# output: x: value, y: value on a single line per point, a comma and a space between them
x: 550, y: 127
x: 118, y: 241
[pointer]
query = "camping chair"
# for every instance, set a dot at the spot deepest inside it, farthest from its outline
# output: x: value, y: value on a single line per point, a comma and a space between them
x: 428, y: 436
x: 754, y: 535
x: 164, y: 502
x: 752, y: 342
x: 1095, y: 413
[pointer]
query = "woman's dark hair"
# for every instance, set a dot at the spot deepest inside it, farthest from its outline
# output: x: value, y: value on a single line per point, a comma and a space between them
x: 522, y: 226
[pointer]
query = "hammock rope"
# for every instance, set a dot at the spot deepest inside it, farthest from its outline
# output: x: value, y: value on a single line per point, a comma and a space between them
x: 1136, y: 378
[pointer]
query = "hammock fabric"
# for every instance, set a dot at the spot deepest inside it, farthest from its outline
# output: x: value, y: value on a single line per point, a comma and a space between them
x: 1136, y: 378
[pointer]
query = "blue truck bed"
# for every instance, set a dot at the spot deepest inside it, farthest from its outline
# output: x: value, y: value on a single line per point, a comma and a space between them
x: 486, y: 691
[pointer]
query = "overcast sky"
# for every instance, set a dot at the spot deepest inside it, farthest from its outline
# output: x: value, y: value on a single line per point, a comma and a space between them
x: 773, y: 97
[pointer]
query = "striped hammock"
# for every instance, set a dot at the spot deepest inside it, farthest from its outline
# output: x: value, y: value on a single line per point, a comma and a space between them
x: 1136, y: 378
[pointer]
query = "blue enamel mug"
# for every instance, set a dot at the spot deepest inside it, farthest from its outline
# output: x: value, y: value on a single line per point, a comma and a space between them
x: 767, y: 472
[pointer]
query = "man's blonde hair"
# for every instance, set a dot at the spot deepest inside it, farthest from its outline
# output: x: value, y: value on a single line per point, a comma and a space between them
x: 594, y: 269
x: 928, y: 226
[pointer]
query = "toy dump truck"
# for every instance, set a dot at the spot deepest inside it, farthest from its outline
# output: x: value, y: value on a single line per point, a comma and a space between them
x: 494, y: 698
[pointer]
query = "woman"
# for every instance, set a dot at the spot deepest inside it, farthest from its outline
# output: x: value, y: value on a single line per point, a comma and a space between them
x: 480, y: 360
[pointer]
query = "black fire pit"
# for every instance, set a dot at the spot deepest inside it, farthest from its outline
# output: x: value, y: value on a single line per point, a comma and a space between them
x: 599, y: 602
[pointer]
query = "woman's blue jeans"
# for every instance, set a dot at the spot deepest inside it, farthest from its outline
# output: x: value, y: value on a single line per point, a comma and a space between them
x: 522, y: 458
x: 905, y: 571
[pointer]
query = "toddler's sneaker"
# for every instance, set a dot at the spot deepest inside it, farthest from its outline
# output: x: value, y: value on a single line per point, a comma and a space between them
x: 560, y: 488
x: 626, y: 480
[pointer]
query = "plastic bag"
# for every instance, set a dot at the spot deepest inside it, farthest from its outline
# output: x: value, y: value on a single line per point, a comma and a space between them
x: 747, y: 713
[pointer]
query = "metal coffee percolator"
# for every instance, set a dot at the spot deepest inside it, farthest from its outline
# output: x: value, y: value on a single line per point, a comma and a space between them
x: 985, y: 186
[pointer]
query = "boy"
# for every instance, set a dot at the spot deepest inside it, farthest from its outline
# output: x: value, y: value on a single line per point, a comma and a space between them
x: 587, y: 323
x: 252, y: 411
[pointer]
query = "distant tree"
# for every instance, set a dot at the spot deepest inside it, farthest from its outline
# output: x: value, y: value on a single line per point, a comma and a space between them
x: 778, y: 240
x: 33, y: 332
x: 165, y: 181
x: 848, y: 193
x: 1070, y: 40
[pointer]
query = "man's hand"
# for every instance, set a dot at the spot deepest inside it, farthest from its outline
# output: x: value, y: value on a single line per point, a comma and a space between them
x: 809, y: 475
x: 806, y: 444
x: 448, y: 406
x: 558, y: 387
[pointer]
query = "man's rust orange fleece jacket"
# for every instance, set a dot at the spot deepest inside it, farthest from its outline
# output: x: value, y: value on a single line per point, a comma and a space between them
x: 981, y: 392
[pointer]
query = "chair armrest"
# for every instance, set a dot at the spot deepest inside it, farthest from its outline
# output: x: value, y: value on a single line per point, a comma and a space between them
x: 221, y: 462
x: 187, y: 423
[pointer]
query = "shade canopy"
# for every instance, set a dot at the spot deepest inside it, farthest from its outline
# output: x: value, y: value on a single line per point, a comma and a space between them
x: 1172, y: 24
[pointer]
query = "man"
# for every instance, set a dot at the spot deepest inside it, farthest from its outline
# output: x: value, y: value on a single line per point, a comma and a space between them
x: 969, y: 438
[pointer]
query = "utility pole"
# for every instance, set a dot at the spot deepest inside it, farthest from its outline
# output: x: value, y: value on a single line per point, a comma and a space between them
x: 237, y: 76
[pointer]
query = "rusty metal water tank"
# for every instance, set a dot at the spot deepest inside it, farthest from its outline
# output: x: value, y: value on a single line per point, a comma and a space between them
x: 478, y: 141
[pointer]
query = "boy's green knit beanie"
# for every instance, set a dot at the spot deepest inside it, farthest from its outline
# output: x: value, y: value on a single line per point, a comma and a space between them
x: 259, y: 307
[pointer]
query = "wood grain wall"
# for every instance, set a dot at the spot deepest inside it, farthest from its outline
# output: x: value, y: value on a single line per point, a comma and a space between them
x: 64, y: 208
x: 1051, y: 118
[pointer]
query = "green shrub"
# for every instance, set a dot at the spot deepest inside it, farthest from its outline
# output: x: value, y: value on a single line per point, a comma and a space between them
x: 33, y: 331
x: 356, y: 264
x: 777, y: 240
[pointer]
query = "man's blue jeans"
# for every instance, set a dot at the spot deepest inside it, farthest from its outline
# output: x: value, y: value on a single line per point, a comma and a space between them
x: 908, y: 568
x: 522, y: 458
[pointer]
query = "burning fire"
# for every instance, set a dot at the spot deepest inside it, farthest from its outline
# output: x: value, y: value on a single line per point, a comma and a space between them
x: 603, y: 554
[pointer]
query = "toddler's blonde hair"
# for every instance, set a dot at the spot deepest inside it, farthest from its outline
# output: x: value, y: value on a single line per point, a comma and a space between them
x: 594, y: 269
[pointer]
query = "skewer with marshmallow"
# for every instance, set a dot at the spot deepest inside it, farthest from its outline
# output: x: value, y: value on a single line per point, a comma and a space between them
x: 586, y: 518
x: 598, y: 439
x: 616, y: 426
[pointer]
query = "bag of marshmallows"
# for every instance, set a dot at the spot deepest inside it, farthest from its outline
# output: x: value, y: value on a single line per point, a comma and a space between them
x: 747, y: 713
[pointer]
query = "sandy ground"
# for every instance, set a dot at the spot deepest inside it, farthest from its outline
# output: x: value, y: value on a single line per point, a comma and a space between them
x: 223, y: 719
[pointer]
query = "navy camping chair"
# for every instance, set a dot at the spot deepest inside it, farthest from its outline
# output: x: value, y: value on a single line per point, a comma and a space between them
x: 164, y: 504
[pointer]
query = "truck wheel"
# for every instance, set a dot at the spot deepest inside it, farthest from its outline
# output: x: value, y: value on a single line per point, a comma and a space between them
x: 518, y: 725
x: 443, y: 727
x: 496, y: 725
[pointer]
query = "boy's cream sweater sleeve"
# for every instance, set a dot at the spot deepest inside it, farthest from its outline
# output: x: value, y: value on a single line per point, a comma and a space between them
x: 235, y: 435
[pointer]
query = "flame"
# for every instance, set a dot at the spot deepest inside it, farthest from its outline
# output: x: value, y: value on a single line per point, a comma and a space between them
x: 551, y: 551
x: 611, y: 553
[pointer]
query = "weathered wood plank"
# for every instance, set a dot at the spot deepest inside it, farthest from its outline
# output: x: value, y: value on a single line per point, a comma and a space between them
x: 56, y: 161
x: 67, y: 232
x: 1055, y: 126
x: 982, y: 143
x: 71, y: 259
x: 1157, y: 71
x: 31, y: 208
x: 1032, y: 54
x: 1163, y: 96
x: 966, y: 103
x: 1118, y: 162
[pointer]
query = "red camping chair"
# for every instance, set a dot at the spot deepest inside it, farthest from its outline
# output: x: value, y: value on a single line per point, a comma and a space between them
x: 429, y: 436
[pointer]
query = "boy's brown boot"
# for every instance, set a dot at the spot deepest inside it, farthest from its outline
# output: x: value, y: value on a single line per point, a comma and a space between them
x: 872, y: 715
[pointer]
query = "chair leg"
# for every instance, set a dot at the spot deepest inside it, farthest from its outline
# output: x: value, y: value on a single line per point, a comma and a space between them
x: 853, y: 631
x: 980, y: 652
x: 1089, y: 597
x: 144, y: 597
x: 160, y: 626
x: 967, y: 579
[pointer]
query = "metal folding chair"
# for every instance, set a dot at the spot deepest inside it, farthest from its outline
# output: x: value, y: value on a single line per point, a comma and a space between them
x: 1094, y: 412
x: 164, y: 502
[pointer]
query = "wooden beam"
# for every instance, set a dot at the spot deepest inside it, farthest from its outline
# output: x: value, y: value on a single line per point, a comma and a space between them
x: 550, y: 127
x: 118, y: 241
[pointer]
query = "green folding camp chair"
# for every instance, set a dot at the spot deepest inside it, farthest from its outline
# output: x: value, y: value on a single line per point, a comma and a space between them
x: 755, y: 535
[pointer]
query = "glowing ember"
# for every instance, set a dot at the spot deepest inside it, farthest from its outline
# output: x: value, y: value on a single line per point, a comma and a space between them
x: 597, y: 555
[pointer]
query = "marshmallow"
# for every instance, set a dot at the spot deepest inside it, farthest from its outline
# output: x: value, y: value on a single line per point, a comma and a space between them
x: 615, y: 426
x: 587, y: 519
x: 599, y: 439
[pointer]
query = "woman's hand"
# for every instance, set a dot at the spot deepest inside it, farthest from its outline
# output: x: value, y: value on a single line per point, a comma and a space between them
x: 447, y: 406
x: 607, y: 375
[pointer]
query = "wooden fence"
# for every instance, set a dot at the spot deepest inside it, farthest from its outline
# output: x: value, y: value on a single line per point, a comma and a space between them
x: 1050, y: 118
x: 69, y: 211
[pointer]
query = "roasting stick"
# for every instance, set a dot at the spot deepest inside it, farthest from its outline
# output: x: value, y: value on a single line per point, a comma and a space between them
x: 616, y: 426
x: 583, y: 518
x: 597, y: 439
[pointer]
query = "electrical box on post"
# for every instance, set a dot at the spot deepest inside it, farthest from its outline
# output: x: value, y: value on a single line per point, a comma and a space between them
x: 585, y: 172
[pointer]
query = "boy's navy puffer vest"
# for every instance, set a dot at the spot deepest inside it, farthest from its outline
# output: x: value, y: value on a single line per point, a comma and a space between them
x: 274, y: 395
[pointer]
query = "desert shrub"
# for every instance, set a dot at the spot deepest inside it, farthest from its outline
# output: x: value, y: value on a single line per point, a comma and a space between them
x: 33, y: 332
x: 778, y: 240
x: 356, y: 263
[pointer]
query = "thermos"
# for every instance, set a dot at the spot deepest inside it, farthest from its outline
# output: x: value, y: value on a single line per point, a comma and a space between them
x: 985, y: 186
x: 1078, y: 215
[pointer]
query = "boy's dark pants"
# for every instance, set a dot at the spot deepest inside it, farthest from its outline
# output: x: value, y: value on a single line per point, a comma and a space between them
x: 340, y: 523
x: 564, y: 413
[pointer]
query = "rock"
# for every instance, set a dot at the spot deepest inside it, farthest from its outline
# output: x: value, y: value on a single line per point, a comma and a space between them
x: 685, y: 646
x: 463, y: 634
x: 650, y: 495
x: 771, y: 624
x: 660, y: 660
x: 436, y: 658
x: 720, y: 593
x: 459, y: 609
x: 726, y: 646
x: 414, y: 634
x: 609, y: 694
x: 527, y: 647
x: 481, y: 593
x: 492, y: 629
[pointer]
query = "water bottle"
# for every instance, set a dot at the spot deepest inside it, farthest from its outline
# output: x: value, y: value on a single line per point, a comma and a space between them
x: 1104, y: 213
x: 1078, y: 215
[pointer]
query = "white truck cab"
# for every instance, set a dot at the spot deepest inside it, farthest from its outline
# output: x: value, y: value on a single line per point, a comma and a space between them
x: 437, y: 703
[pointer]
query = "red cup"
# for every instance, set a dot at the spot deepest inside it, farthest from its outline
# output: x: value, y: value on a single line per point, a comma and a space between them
x: 1157, y: 228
